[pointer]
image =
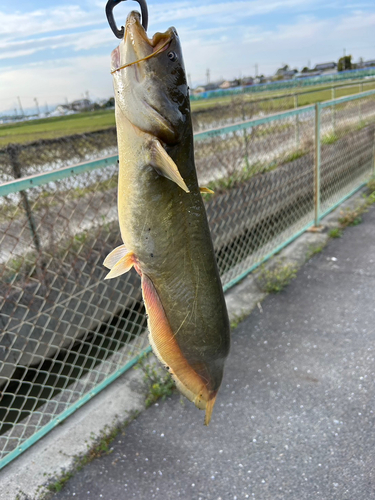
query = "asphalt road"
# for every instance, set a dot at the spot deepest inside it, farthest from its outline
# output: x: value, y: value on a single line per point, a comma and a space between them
x: 295, y: 416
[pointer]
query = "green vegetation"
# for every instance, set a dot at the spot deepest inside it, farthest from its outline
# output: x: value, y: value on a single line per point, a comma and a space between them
x: 351, y: 217
x: 314, y: 249
x: 371, y: 184
x: 48, y: 128
x: 159, y: 383
x: 97, y: 448
x: 278, y: 277
x: 335, y: 232
x: 237, y: 320
x: 330, y: 138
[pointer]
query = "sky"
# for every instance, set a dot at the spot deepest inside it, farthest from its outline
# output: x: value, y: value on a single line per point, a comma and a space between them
x: 59, y: 50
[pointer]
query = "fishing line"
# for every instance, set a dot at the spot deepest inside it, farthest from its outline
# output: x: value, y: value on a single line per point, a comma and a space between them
x: 160, y: 49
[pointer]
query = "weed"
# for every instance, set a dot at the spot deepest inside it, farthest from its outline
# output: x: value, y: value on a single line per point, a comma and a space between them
x: 371, y: 184
x: 98, y: 448
x: 237, y: 320
x: 330, y: 138
x: 313, y: 250
x: 275, y: 279
x: 294, y: 155
x: 335, y: 232
x: 159, y: 384
x: 351, y: 217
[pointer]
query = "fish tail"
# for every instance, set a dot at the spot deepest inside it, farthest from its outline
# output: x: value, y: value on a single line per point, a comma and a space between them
x: 209, y: 407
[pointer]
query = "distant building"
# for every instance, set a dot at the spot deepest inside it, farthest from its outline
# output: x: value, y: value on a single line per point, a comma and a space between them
x: 330, y: 67
x: 81, y: 105
x: 247, y: 80
x: 285, y: 73
x: 199, y: 90
x: 368, y: 64
x: 225, y: 85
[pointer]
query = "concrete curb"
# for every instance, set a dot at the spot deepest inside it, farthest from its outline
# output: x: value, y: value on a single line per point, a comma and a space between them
x: 26, y: 478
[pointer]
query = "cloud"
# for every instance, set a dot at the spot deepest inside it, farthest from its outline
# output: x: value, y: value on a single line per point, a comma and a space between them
x: 228, y: 37
x: 55, y: 81
x: 76, y: 41
x: 39, y: 21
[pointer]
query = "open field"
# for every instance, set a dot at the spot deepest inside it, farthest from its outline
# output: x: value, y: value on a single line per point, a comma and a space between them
x: 49, y: 128
x: 267, y: 102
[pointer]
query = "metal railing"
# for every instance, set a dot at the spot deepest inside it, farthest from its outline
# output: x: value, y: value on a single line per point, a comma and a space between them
x: 66, y: 333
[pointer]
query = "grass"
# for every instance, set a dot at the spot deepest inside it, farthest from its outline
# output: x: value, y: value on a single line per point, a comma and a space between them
x: 277, y: 278
x: 353, y: 216
x: 237, y: 320
x: 97, y: 448
x: 159, y: 383
x: 335, y: 232
x: 48, y: 128
x: 313, y: 250
x: 330, y: 138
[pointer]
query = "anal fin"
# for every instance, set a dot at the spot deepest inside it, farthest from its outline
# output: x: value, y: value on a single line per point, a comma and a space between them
x: 167, y: 350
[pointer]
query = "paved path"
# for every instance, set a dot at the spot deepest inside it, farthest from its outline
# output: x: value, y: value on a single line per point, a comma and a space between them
x: 295, y: 416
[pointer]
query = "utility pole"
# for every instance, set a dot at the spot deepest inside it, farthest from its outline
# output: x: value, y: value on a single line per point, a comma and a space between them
x: 20, y: 105
x: 344, y: 60
x: 37, y: 106
x: 189, y: 81
x: 208, y: 75
x: 47, y: 110
x: 256, y: 70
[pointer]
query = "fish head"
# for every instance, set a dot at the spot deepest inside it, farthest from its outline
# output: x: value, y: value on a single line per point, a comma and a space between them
x: 150, y: 82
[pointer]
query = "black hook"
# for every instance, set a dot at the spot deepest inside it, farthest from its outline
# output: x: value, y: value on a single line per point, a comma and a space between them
x: 111, y: 4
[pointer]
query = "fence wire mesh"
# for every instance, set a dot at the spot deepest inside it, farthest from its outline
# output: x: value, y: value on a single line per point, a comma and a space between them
x: 347, y: 147
x: 64, y: 330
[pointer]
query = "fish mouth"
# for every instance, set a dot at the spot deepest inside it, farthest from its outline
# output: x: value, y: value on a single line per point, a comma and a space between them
x: 159, y: 117
x: 139, y: 46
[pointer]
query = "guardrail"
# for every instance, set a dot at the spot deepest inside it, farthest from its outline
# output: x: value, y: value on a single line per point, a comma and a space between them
x: 66, y: 333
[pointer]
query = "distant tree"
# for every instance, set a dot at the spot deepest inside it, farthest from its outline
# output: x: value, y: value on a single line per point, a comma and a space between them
x: 110, y: 103
x: 305, y: 70
x: 344, y: 63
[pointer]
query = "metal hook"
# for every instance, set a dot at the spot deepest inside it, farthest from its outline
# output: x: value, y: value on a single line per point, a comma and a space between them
x: 111, y: 4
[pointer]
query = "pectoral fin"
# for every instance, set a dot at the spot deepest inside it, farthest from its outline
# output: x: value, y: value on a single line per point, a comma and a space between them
x: 113, y: 257
x: 118, y: 262
x: 206, y: 190
x: 165, y: 166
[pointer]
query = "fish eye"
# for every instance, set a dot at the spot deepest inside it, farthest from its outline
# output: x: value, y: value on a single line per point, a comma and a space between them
x: 172, y: 56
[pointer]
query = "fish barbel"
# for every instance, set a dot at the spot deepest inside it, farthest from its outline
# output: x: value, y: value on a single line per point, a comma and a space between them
x: 162, y: 218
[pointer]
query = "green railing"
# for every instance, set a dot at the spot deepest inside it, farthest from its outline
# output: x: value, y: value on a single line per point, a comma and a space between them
x: 66, y: 333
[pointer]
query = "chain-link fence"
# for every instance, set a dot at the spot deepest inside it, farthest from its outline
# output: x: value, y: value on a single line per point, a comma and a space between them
x: 66, y: 333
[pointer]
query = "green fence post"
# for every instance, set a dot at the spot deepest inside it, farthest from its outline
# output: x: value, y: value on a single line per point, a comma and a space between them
x: 317, y: 166
x: 297, y: 121
x: 333, y: 111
